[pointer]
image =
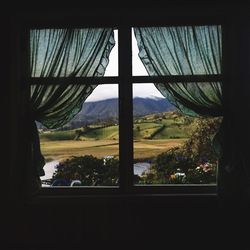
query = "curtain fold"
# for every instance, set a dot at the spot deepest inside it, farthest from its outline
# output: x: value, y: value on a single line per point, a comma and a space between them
x: 68, y: 53
x: 189, y: 50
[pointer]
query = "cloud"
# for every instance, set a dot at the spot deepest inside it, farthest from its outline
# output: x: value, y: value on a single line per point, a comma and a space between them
x: 107, y: 91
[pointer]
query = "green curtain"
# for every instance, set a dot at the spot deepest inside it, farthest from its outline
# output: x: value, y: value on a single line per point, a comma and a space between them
x: 70, y: 53
x: 188, y: 50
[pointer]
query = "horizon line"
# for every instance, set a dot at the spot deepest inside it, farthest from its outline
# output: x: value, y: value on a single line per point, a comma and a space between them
x: 111, y: 98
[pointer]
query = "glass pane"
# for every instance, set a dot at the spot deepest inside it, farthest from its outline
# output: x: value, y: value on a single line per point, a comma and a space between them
x: 112, y: 68
x: 184, y: 50
x: 85, y: 152
x: 138, y: 68
x: 170, y: 147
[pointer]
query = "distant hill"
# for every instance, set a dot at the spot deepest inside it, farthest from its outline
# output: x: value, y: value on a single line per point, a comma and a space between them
x: 165, y: 125
x: 105, y: 110
x: 147, y: 106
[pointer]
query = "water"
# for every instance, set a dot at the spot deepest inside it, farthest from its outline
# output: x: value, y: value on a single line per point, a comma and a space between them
x: 141, y: 167
x: 49, y: 169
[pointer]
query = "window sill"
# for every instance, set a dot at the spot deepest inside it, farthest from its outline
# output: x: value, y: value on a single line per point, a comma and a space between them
x: 150, y: 193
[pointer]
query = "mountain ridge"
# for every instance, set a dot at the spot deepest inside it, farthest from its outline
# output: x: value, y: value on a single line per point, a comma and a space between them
x: 107, y: 109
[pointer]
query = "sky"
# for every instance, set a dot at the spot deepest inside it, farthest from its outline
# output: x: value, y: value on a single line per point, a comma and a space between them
x: 110, y: 90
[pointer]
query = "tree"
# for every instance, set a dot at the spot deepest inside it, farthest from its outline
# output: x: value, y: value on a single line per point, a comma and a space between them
x: 78, y: 133
x: 199, y: 146
x: 91, y: 171
x: 196, y: 158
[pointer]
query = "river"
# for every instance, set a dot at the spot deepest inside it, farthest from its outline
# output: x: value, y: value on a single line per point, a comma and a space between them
x: 141, y: 167
x: 49, y: 169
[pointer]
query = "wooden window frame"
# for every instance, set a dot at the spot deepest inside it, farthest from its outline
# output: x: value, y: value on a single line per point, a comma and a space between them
x: 125, y: 81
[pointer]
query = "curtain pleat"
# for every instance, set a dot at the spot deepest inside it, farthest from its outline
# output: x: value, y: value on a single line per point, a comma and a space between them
x: 184, y: 51
x: 189, y: 50
x: 68, y: 53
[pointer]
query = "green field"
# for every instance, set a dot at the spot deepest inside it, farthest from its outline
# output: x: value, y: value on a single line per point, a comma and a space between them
x: 59, y: 150
x: 153, y: 134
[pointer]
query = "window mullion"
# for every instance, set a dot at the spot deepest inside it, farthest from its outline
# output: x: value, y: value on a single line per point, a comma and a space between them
x: 115, y: 79
x: 177, y: 78
x: 125, y: 109
x: 72, y: 80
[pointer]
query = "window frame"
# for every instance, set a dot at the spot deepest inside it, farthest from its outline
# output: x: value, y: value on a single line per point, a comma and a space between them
x: 125, y: 81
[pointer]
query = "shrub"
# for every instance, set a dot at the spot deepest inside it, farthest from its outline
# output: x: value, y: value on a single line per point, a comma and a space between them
x: 194, y: 163
x: 90, y: 170
x: 199, y: 146
x: 203, y: 174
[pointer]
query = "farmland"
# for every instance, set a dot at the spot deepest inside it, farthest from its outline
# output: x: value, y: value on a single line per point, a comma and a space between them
x: 153, y: 134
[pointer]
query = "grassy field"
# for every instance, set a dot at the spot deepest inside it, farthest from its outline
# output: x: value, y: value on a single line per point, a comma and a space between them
x: 59, y: 150
x: 107, y: 133
x: 63, y: 149
x: 152, y: 148
x: 165, y: 130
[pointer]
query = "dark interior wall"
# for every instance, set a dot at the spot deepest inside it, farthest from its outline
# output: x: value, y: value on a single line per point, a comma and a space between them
x: 114, y: 220
x: 182, y: 222
x: 76, y: 222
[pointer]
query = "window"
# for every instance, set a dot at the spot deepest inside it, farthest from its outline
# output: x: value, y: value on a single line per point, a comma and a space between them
x: 190, y: 81
x: 85, y: 151
x: 172, y: 143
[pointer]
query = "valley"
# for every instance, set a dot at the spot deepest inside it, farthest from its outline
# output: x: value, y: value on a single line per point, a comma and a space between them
x: 153, y: 134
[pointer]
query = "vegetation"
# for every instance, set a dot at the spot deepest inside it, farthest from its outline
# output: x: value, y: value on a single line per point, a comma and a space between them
x: 158, y: 126
x: 89, y: 170
x: 178, y: 147
x: 165, y: 130
x: 195, y: 162
x: 61, y: 150
x: 57, y: 135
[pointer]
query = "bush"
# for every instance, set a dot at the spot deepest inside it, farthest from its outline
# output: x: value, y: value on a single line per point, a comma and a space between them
x: 168, y: 168
x: 90, y: 170
x: 203, y: 174
x: 168, y: 162
x: 193, y: 163
x: 199, y: 146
